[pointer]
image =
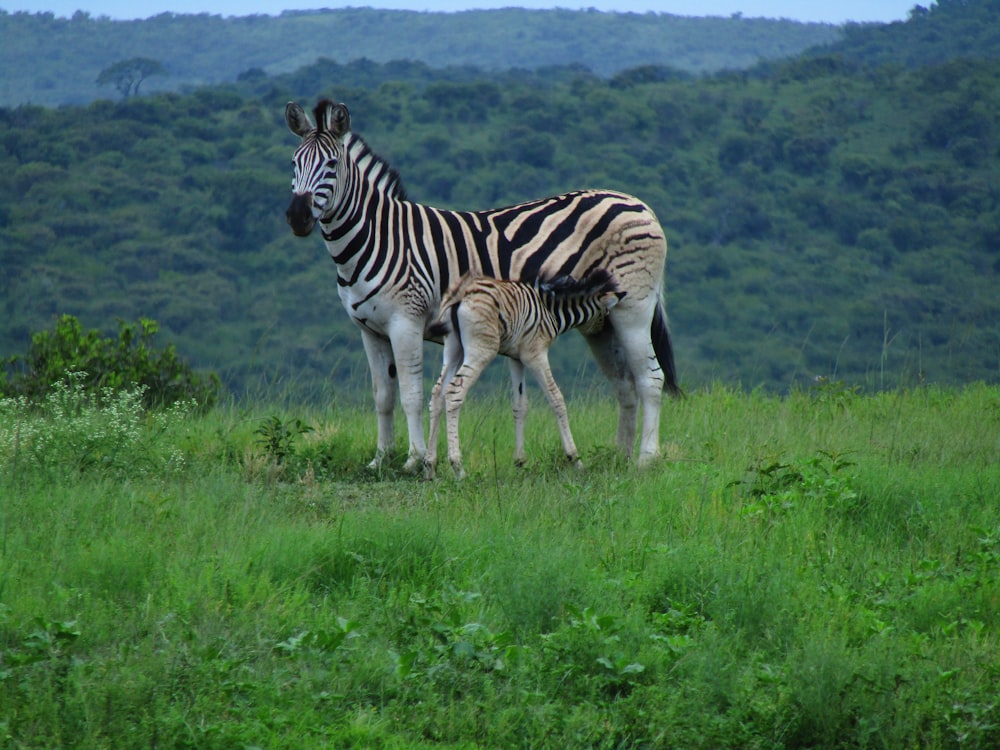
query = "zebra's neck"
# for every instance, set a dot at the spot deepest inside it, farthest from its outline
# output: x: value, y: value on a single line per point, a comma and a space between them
x: 368, y: 188
x: 572, y: 312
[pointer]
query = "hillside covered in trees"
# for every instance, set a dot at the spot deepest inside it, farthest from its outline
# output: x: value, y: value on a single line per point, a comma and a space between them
x: 52, y: 61
x: 827, y: 217
x: 934, y: 34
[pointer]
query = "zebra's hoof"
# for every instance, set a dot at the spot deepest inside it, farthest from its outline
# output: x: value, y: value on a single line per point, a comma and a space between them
x: 376, y: 463
x: 430, y: 470
x: 412, y: 464
x: 646, y: 460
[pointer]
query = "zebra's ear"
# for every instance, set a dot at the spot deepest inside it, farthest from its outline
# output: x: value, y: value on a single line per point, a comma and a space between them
x: 297, y: 119
x: 334, y: 118
x: 611, y: 298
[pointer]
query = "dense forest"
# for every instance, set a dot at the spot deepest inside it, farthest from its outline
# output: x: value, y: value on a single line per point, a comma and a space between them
x: 52, y: 61
x: 828, y: 217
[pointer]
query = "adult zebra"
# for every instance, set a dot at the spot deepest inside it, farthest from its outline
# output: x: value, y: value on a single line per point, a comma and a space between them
x: 395, y: 258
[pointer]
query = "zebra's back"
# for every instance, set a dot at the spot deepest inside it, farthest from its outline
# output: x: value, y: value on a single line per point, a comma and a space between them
x: 568, y: 235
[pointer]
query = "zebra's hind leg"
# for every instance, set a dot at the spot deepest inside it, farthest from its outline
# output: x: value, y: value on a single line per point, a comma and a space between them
x: 648, y: 377
x: 436, y: 407
x: 611, y: 358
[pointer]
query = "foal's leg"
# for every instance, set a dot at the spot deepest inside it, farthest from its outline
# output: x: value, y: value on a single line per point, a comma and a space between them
x: 519, y: 401
x: 476, y: 359
x: 452, y: 361
x: 539, y: 365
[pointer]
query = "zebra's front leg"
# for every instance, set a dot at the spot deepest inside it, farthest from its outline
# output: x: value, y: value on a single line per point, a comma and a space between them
x: 519, y: 405
x: 454, y: 396
x: 407, y: 339
x: 383, y: 372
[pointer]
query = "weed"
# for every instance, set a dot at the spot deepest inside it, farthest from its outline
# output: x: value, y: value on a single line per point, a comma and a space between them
x: 776, y: 488
x: 48, y: 641
x: 327, y: 640
x: 834, y: 393
x: 73, y: 429
x: 589, y: 650
x: 277, y: 436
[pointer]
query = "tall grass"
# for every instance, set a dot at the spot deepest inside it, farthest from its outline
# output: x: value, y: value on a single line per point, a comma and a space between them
x: 817, y: 570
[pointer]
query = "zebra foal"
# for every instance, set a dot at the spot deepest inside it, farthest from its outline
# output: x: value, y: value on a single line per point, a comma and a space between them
x: 482, y: 317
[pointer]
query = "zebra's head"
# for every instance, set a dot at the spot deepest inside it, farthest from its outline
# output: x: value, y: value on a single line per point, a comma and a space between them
x: 315, y: 182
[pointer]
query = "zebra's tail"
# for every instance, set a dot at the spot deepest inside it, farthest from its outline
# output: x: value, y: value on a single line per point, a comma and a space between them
x: 438, y: 330
x: 660, y: 333
x: 446, y: 320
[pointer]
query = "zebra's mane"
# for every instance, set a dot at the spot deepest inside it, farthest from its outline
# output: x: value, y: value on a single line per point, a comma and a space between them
x: 380, y: 171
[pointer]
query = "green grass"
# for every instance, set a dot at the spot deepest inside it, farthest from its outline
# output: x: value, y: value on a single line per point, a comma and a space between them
x: 816, y: 570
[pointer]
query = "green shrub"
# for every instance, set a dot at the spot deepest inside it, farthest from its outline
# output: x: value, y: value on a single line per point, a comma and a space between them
x: 110, y: 365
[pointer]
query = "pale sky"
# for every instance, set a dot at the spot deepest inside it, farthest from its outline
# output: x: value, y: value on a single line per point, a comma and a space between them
x: 830, y: 11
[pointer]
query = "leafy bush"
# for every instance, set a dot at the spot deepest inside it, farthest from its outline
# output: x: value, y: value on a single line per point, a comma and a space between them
x: 109, y: 365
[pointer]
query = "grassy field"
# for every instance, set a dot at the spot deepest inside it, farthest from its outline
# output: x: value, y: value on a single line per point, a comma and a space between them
x: 815, y: 570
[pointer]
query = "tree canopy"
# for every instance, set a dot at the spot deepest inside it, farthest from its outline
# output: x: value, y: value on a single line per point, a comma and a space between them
x: 128, y: 75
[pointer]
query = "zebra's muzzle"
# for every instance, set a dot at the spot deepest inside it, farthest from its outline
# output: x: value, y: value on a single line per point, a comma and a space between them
x: 300, y: 214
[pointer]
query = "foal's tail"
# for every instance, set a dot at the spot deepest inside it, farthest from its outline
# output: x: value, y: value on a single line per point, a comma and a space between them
x: 660, y: 333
